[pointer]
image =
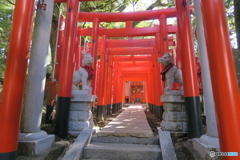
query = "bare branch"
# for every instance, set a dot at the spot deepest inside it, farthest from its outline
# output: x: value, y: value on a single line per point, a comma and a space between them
x: 9, y: 1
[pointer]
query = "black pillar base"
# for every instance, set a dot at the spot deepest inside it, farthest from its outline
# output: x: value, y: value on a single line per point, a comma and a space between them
x: 8, y: 155
x: 194, y: 119
x: 159, y: 112
x: 154, y: 110
x: 150, y: 107
x: 121, y: 105
x: 109, y: 110
x: 114, y: 108
x: 118, y: 106
x: 101, y: 113
x: 49, y: 110
x: 62, y: 116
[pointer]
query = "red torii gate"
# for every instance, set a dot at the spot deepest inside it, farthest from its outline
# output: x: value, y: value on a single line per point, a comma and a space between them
x: 161, y: 38
x: 16, y: 66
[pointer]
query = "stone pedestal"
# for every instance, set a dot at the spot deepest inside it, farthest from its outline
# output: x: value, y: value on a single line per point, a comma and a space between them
x: 206, y: 144
x: 80, y: 116
x: 33, y: 141
x: 174, y: 115
x: 31, y: 144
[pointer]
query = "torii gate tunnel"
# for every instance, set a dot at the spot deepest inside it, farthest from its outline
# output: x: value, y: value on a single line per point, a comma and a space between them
x: 119, y: 61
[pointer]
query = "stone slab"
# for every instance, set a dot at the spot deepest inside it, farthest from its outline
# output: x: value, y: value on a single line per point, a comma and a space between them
x: 168, y: 152
x: 191, y: 153
x: 127, y: 140
x: 122, y: 151
x: 204, y: 149
x: 126, y: 133
x: 95, y: 159
x: 76, y: 150
x: 35, y: 147
x: 131, y: 122
x: 53, y: 153
x: 127, y: 126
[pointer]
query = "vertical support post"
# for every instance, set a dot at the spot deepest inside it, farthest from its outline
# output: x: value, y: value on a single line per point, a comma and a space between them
x: 31, y: 116
x: 115, y: 64
x: 77, y: 51
x: 163, y: 35
x: 66, y: 74
x: 36, y: 79
x: 10, y: 110
x: 223, y: 75
x: 119, y: 85
x: 151, y: 88
x: 157, y: 85
x: 94, y: 49
x: 178, y: 55
x: 59, y: 52
x: 109, y: 85
x: 102, y: 79
x: 191, y: 91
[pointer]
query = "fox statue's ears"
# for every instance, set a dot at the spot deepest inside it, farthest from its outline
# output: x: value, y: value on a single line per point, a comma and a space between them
x: 84, y: 52
x: 170, y: 54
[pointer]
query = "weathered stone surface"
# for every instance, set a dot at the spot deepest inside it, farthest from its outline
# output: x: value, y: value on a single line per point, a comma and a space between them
x: 174, y: 116
x: 174, y: 126
x: 168, y: 152
x: 131, y: 122
x: 127, y: 140
x: 82, y: 96
x: 172, y: 98
x: 79, y: 115
x: 76, y: 150
x: 174, y: 92
x: 79, y: 125
x: 80, y: 106
x: 35, y: 147
x: 122, y: 151
x: 174, y: 106
x: 125, y: 133
x: 53, y: 153
x: 32, y: 136
x: 204, y: 149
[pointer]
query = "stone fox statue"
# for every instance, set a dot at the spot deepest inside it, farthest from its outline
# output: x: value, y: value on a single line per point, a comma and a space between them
x: 84, y: 74
x: 170, y: 73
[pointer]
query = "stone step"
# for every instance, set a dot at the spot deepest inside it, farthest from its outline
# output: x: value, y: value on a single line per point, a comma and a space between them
x: 95, y: 159
x: 114, y: 151
x: 127, y: 140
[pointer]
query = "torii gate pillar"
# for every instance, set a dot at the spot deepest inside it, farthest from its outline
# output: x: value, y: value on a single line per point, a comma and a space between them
x: 191, y: 91
x: 66, y: 74
x: 223, y: 76
x: 11, y: 104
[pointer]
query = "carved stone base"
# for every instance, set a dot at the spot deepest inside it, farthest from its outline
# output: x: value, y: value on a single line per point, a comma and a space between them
x: 206, y: 144
x: 80, y: 117
x: 31, y: 144
x: 174, y: 115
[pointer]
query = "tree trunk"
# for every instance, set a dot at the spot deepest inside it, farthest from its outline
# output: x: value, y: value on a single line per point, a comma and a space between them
x: 54, y: 31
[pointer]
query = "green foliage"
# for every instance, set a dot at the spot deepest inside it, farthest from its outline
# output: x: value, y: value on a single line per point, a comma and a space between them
x: 5, y: 25
x: 6, y: 9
